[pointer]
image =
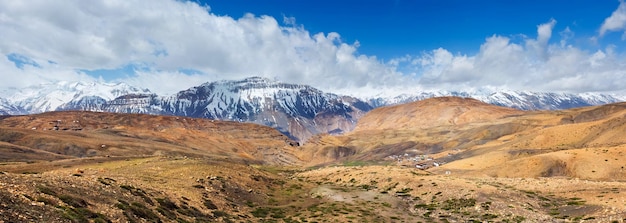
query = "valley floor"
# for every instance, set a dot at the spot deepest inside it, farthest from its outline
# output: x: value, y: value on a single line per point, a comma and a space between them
x: 182, y: 189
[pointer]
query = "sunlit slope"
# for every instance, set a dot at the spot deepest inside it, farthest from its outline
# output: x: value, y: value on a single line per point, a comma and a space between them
x: 442, y: 111
x: 586, y: 143
x: 92, y: 134
x: 470, y: 137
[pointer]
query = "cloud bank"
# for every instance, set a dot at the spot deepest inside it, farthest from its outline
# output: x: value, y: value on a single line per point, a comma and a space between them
x: 615, y: 22
x: 533, y: 64
x: 168, y: 45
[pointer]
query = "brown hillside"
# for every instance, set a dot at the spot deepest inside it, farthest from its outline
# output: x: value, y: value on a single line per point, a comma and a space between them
x: 469, y: 137
x: 424, y: 127
x: 504, y: 166
x: 548, y: 166
x: 431, y: 113
x: 59, y: 135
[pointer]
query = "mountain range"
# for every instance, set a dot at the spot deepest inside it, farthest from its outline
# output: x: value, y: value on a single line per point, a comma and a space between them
x: 448, y: 159
x: 299, y: 111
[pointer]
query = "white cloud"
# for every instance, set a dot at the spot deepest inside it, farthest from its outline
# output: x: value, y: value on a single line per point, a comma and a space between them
x: 534, y: 65
x: 168, y: 36
x: 14, y: 78
x: 165, y: 81
x: 172, y: 35
x: 617, y: 20
x: 289, y: 20
x: 566, y: 35
x: 539, y: 45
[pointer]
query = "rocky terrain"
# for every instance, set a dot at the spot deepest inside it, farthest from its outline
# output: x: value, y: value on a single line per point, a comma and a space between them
x: 94, y: 134
x: 439, y: 160
x: 463, y: 133
x: 296, y: 110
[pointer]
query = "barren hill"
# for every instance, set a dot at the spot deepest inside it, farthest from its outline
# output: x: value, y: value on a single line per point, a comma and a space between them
x: 576, y: 156
x: 62, y: 135
x: 440, y: 111
x: 470, y: 137
x: 439, y: 160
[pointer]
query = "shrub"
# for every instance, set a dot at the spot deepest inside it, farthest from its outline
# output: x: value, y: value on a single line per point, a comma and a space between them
x: 46, y: 190
x: 144, y: 212
x: 73, y: 201
x: 261, y: 212
x: 489, y: 216
x: 167, y: 213
x: 218, y: 214
x: 455, y: 204
x: 138, y: 192
x: 192, y: 212
x: 209, y: 204
x: 278, y: 213
x: 106, y: 181
x: 137, y: 209
x: 167, y: 203
x: 83, y: 215
x: 430, y: 207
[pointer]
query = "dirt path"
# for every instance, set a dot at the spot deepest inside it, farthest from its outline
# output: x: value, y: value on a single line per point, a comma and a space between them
x: 344, y: 194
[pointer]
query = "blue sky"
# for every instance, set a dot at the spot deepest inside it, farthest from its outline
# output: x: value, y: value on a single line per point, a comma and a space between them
x: 362, y: 48
x: 389, y: 28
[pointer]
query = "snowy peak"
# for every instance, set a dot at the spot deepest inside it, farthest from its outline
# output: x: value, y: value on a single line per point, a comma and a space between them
x: 299, y: 111
x: 524, y: 100
x: 250, y: 89
x: 224, y: 99
x: 6, y: 108
x: 69, y: 95
x: 257, y: 83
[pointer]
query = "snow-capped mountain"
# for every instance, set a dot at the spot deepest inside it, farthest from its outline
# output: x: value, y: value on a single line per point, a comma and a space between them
x: 136, y: 103
x: 299, y: 111
x: 545, y: 100
x: 524, y: 100
x: 6, y: 108
x: 69, y: 96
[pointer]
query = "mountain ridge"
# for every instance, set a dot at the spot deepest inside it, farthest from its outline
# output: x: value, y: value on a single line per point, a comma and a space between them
x: 524, y: 100
x: 433, y: 112
x: 468, y: 137
x: 298, y: 110
x: 490, y: 164
x: 65, y: 95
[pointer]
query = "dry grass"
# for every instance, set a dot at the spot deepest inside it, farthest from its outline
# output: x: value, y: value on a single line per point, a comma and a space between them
x: 460, y: 198
x: 105, y: 134
x: 443, y: 111
x: 493, y: 164
x: 586, y: 143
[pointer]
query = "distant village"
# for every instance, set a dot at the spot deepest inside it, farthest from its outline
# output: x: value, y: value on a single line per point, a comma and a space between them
x: 421, y: 162
x: 57, y: 125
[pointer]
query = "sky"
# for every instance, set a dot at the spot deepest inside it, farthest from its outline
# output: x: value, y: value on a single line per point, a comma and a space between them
x: 361, y: 48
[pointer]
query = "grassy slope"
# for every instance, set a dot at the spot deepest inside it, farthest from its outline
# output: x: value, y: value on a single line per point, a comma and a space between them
x: 536, y: 166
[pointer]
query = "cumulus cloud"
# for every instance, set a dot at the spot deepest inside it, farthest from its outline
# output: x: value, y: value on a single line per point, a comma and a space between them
x: 617, y: 20
x: 533, y: 64
x: 166, y: 38
x: 15, y: 75
x: 171, y: 35
x: 167, y: 82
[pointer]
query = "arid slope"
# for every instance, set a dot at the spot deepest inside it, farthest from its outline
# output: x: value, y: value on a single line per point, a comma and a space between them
x: 469, y: 137
x: 62, y: 135
x: 462, y: 160
x: 439, y: 160
x: 443, y: 111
